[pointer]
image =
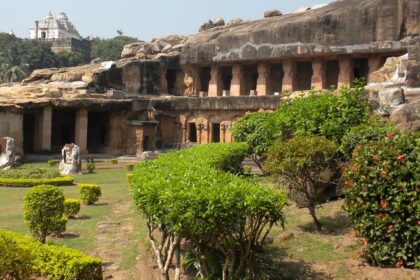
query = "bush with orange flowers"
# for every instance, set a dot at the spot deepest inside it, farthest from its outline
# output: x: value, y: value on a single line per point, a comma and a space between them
x: 383, y: 200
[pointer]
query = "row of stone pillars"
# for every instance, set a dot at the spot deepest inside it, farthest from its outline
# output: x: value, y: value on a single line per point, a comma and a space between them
x: 289, y: 81
x: 81, y: 129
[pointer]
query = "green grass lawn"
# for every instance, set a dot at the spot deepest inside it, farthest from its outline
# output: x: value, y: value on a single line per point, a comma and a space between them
x: 114, y: 189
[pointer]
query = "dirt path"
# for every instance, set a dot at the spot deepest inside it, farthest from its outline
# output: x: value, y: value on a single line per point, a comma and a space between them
x: 112, y: 240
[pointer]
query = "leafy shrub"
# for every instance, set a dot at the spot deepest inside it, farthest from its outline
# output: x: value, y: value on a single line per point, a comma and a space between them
x: 30, y: 173
x: 27, y: 183
x: 71, y: 207
x: 89, y: 193
x: 15, y: 262
x: 130, y: 167
x: 60, y: 226
x: 326, y: 114
x: 364, y: 133
x: 383, y: 199
x: 255, y: 130
x: 188, y: 196
x: 52, y: 162
x: 51, y: 261
x: 247, y: 169
x: 129, y: 178
x: 114, y: 160
x: 300, y: 162
x: 90, y: 167
x: 43, y: 210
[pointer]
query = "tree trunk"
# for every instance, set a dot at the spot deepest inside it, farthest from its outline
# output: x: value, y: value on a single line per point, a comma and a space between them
x: 317, y: 222
x: 178, y: 263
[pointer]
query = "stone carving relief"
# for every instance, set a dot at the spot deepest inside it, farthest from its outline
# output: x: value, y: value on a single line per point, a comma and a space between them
x: 70, y: 160
x: 189, y: 85
x: 7, y: 153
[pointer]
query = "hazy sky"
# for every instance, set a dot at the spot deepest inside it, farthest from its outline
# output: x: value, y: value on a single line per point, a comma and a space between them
x: 144, y: 19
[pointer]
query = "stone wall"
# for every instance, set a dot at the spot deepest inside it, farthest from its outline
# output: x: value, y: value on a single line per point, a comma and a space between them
x: 11, y: 125
x: 73, y: 45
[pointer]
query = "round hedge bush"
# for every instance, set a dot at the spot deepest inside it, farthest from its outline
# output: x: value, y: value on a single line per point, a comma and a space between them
x: 90, y: 193
x: 383, y: 200
x: 44, y: 210
x: 71, y: 207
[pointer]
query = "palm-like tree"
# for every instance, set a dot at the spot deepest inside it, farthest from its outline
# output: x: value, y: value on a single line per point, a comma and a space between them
x: 15, y: 73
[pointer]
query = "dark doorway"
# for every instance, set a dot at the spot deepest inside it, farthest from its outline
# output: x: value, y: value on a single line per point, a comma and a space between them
x: 360, y: 68
x: 147, y: 143
x: 226, y: 77
x: 28, y: 133
x: 171, y: 80
x: 276, y: 78
x: 98, y: 131
x: 205, y: 77
x: 251, y: 78
x: 43, y: 35
x: 192, y: 132
x: 331, y: 73
x: 215, y: 132
x: 63, y: 128
x: 303, y: 77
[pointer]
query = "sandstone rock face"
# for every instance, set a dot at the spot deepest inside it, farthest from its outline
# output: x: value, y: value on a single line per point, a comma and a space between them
x: 407, y: 116
x: 170, y: 45
x: 212, y: 24
x: 7, y: 153
x: 331, y: 29
x: 272, y: 13
x: 70, y: 160
x: 394, y: 71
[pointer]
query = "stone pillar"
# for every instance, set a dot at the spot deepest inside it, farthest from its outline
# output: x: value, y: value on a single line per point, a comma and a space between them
x: 289, y: 72
x: 345, y: 76
x: 375, y: 63
x: 163, y: 81
x: 139, y: 141
x: 82, y: 129
x: 263, y: 82
x: 236, y: 86
x: 46, y: 129
x: 318, y: 76
x: 215, y: 84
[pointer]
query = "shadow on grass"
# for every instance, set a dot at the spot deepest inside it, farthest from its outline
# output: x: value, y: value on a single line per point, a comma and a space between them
x: 67, y: 235
x: 332, y: 225
x: 83, y: 217
x: 276, y: 267
x: 100, y: 204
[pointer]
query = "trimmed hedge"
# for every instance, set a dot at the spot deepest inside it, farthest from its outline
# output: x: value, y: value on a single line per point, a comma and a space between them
x: 51, y: 261
x: 89, y: 193
x: 192, y: 195
x: 71, y: 207
x: 28, y: 183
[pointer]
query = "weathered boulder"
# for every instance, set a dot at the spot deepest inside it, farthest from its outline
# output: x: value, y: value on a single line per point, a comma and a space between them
x: 70, y: 160
x: 235, y: 21
x: 407, y: 116
x: 393, y: 71
x: 7, y: 152
x: 391, y: 97
x: 219, y: 21
x: 272, y: 13
x: 131, y: 50
x: 212, y: 24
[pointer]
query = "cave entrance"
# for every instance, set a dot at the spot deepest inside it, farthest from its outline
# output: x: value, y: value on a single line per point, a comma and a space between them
x: 226, y: 77
x: 215, y: 132
x: 250, y: 78
x: 360, y: 68
x: 205, y: 77
x: 276, y: 78
x: 62, y: 128
x: 192, y: 132
x: 303, y: 76
x: 332, y: 70
x: 98, y: 131
x: 29, y: 129
x: 171, y: 80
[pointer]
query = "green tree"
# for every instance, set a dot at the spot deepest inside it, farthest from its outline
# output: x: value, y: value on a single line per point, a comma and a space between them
x: 44, y: 210
x: 110, y: 49
x: 299, y: 164
x: 67, y: 59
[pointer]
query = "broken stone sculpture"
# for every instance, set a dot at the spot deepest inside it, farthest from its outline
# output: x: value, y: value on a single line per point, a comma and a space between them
x: 70, y: 160
x: 7, y: 153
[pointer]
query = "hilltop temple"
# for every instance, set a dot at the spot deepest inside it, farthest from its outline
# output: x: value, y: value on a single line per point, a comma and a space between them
x: 191, y: 89
x: 61, y: 33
